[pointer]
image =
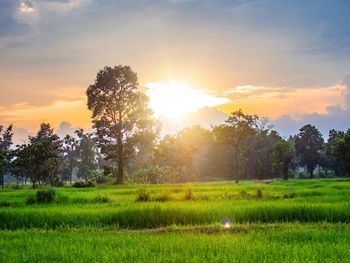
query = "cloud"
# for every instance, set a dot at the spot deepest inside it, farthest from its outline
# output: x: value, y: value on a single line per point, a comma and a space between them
x: 20, y: 135
x: 36, y: 11
x: 336, y: 117
x: 65, y: 128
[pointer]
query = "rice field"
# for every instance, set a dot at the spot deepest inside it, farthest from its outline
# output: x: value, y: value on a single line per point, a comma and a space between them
x: 273, y: 221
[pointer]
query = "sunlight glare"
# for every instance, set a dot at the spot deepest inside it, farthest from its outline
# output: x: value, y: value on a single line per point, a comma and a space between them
x: 173, y: 98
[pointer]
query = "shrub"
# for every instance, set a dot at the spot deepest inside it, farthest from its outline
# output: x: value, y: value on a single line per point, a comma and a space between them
x: 150, y: 175
x: 101, y: 199
x: 243, y: 194
x: 143, y: 195
x: 81, y: 184
x: 44, y: 196
x: 58, y: 184
x: 5, y: 204
x: 188, y: 194
x: 164, y: 197
x: 289, y: 195
x: 259, y: 193
x: 104, y: 180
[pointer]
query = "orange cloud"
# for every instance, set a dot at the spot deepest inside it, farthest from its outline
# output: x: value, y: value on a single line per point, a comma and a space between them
x: 274, y: 102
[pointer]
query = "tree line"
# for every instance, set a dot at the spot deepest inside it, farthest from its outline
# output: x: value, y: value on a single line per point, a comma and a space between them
x: 125, y: 145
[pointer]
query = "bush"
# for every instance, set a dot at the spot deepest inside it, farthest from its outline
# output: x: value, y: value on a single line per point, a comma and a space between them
x: 104, y: 180
x: 5, y: 204
x: 58, y: 184
x: 44, y: 196
x: 150, y: 175
x: 188, y: 192
x: 81, y: 184
x: 100, y: 199
x: 143, y: 195
x: 259, y: 193
x: 164, y: 197
x: 289, y: 195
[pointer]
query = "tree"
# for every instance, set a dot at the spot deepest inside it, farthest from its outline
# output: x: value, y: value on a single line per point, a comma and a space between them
x: 328, y: 158
x: 86, y: 155
x: 38, y: 159
x: 5, y: 151
x: 282, y: 156
x: 183, y: 154
x: 69, y: 158
x: 309, y: 143
x: 237, y: 132
x: 119, y: 111
x: 342, y: 151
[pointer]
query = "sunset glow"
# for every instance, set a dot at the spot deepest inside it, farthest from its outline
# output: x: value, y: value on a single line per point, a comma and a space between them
x: 173, y: 98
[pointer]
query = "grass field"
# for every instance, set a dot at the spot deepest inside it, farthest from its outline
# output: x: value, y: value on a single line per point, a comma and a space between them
x: 293, y: 221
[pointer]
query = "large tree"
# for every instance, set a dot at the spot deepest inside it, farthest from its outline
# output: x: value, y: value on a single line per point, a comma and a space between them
x: 5, y: 151
x: 119, y: 111
x: 282, y: 156
x: 309, y: 143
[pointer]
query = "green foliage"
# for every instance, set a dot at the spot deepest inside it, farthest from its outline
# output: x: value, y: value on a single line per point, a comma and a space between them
x: 283, y: 153
x: 5, y: 151
x: 259, y: 193
x: 39, y: 159
x: 188, y: 194
x: 5, y: 204
x: 101, y: 199
x: 44, y: 196
x: 143, y: 195
x: 342, y: 151
x: 153, y: 174
x: 81, y: 184
x: 120, y: 114
x: 308, y: 143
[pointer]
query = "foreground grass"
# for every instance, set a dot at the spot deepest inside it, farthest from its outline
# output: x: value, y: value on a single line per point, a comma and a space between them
x: 244, y: 243
x: 277, y: 221
x: 298, y: 200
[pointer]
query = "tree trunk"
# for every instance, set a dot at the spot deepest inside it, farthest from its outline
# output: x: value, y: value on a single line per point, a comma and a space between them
x: 120, y: 173
x: 311, y: 173
x: 2, y: 181
x: 33, y: 184
x: 237, y: 164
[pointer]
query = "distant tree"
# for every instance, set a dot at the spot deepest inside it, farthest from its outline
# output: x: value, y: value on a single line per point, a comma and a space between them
x: 328, y: 159
x: 282, y: 156
x: 237, y: 132
x: 119, y: 111
x: 38, y: 159
x: 259, y: 154
x: 308, y: 144
x: 184, y: 154
x: 140, y: 148
x: 342, y: 151
x: 69, y: 158
x: 5, y: 151
x: 86, y: 155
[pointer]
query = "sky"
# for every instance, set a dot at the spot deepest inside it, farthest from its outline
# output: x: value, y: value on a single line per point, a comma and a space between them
x: 286, y: 60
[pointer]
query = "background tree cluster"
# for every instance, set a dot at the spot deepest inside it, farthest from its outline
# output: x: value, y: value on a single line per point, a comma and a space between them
x: 125, y: 145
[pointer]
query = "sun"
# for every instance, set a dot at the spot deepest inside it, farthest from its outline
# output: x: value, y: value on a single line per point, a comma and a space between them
x: 174, y: 98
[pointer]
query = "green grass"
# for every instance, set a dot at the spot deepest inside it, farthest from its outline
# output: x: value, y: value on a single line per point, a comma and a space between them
x: 294, y: 221
x: 275, y: 243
